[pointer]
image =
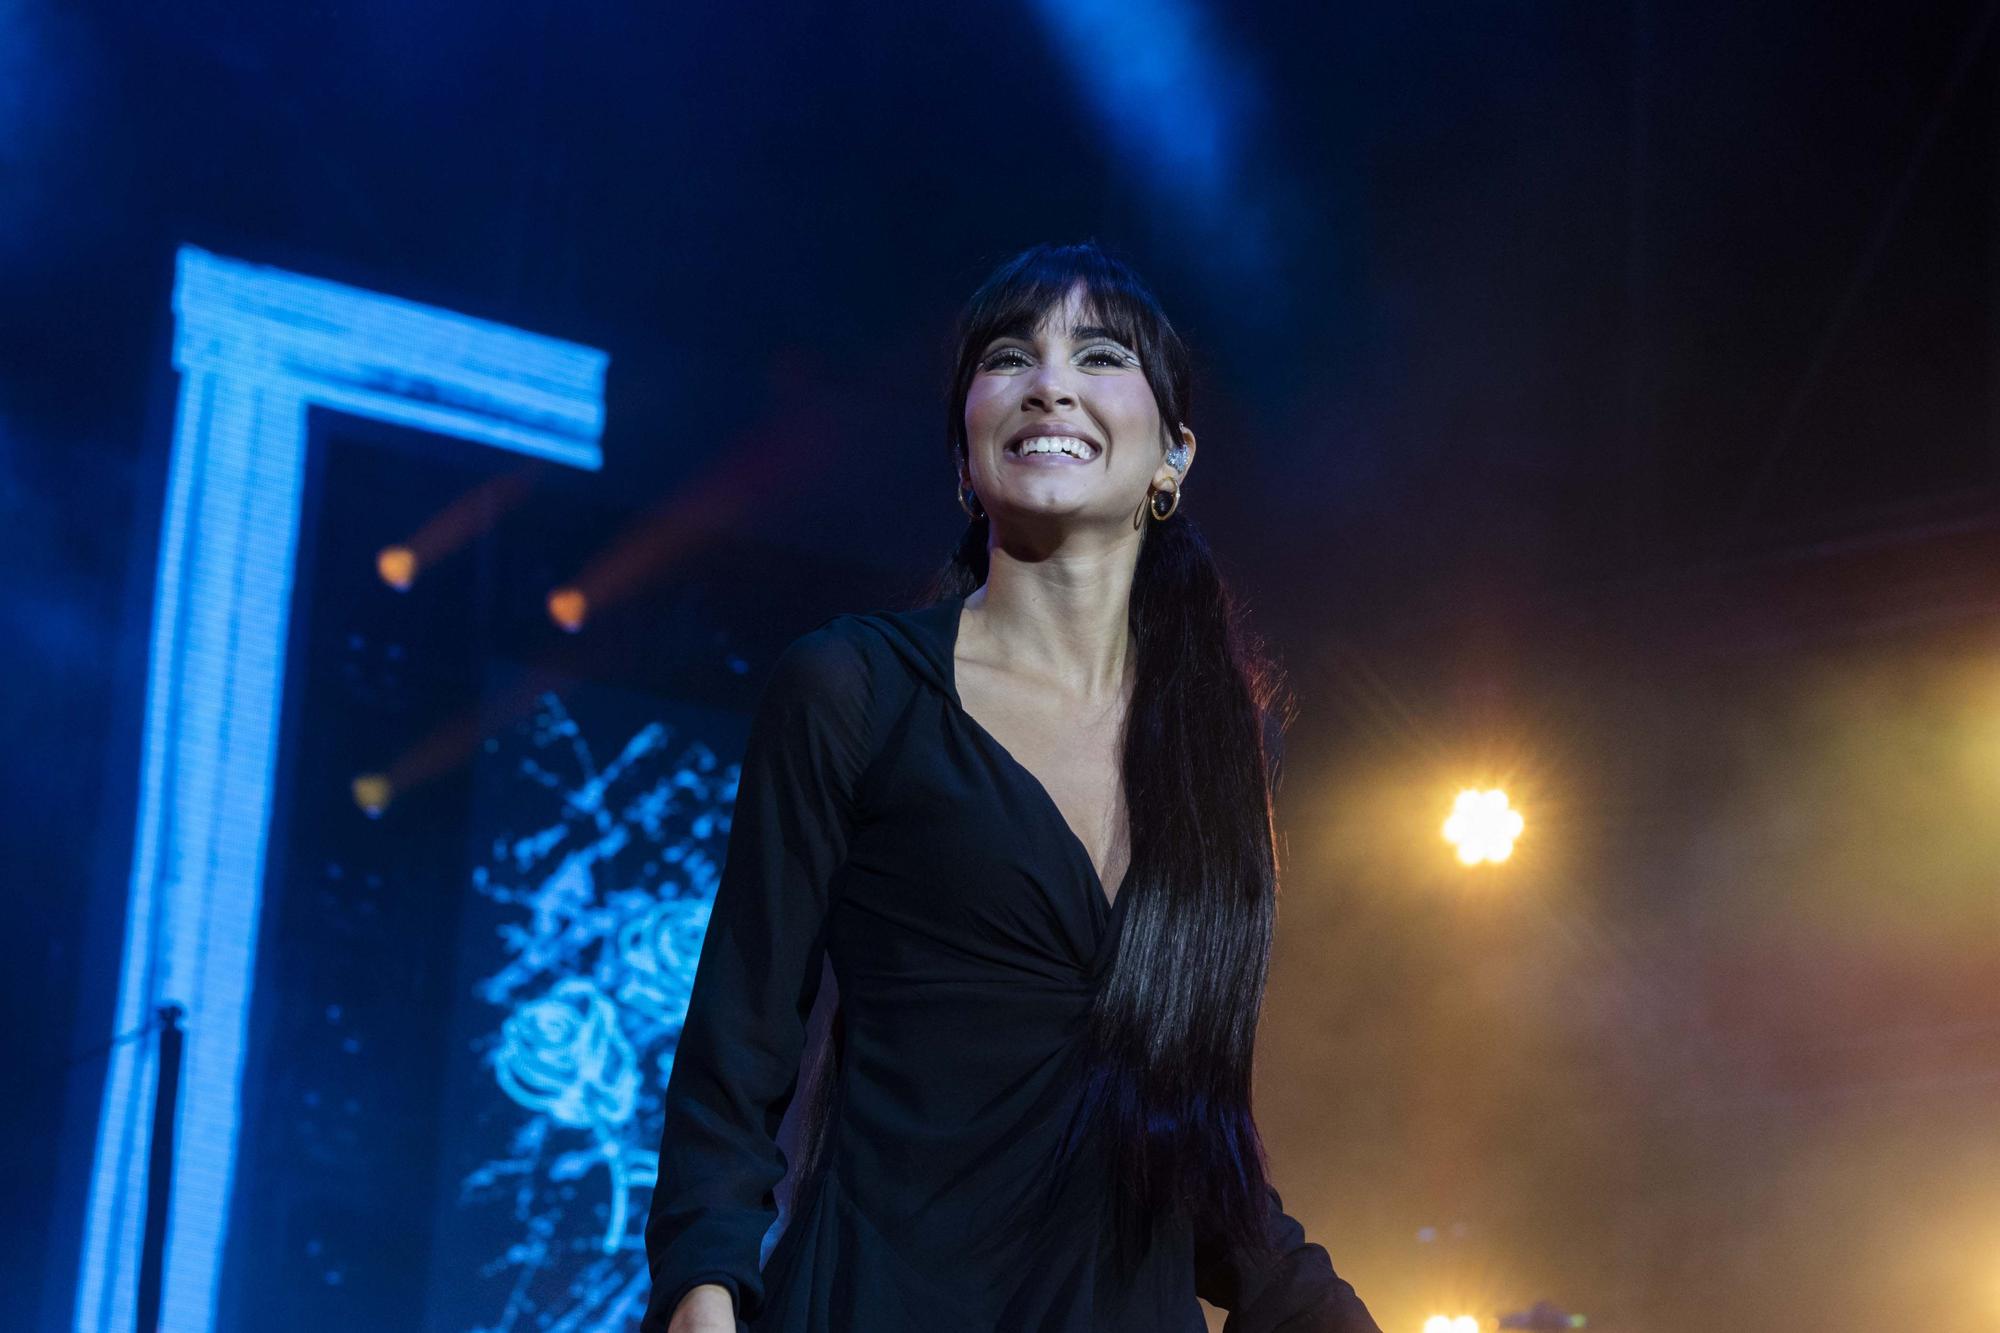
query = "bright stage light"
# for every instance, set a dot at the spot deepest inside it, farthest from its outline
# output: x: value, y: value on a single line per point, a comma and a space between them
x: 569, y: 608
x: 397, y: 567
x: 372, y: 792
x: 1439, y: 1323
x: 1482, y: 826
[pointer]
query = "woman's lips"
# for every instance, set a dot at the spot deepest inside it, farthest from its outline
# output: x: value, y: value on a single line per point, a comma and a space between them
x: 1076, y: 448
x: 1053, y: 458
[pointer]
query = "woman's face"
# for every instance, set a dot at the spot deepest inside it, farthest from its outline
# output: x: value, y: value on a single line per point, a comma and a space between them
x: 1062, y: 423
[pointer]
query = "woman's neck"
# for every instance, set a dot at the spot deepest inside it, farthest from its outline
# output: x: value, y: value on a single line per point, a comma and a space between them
x: 1061, y: 622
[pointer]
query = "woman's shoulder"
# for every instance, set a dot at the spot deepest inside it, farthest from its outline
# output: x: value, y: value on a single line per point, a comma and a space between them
x: 845, y: 682
x: 852, y: 653
x: 885, y: 643
x: 872, y: 662
x: 831, y: 659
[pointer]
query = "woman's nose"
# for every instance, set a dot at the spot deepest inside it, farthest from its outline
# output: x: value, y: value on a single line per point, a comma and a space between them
x: 1049, y: 389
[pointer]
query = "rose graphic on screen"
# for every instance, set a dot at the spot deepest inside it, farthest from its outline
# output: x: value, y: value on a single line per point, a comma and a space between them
x: 599, y: 905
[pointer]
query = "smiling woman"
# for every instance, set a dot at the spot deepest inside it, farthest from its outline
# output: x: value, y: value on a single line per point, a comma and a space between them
x: 1030, y: 824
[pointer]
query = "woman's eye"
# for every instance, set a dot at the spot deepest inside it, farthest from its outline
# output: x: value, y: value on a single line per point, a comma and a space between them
x: 1096, y: 356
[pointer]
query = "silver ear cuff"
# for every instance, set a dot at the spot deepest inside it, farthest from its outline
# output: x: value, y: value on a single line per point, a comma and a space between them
x: 1177, y: 458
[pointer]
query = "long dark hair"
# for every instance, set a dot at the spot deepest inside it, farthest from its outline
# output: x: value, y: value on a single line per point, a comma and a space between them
x: 1174, y: 1026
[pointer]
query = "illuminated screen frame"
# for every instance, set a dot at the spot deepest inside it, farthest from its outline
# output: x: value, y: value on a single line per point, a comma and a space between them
x: 257, y: 347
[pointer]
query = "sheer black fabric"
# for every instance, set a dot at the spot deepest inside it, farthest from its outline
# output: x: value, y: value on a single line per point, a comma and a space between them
x: 878, y: 825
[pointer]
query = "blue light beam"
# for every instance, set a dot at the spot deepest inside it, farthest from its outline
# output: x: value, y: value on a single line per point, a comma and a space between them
x: 1178, y: 102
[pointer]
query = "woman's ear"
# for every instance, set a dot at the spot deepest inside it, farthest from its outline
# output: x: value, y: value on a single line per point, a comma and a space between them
x: 1179, y: 459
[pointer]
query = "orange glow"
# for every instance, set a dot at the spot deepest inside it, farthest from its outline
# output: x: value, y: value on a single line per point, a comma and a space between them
x: 569, y: 608
x: 372, y: 792
x: 397, y: 566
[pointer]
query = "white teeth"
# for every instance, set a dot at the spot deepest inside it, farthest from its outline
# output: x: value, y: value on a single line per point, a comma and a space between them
x: 1055, y: 444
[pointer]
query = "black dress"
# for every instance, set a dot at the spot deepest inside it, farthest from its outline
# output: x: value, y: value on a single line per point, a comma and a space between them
x: 878, y: 825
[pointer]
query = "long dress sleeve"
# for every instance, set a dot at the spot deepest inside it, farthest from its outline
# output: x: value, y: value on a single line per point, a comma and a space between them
x: 1290, y: 1288
x: 736, y: 1066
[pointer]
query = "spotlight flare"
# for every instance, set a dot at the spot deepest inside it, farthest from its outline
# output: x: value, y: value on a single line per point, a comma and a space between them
x: 1483, y: 828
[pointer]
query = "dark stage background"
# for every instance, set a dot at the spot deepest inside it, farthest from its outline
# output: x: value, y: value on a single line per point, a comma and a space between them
x: 1596, y: 401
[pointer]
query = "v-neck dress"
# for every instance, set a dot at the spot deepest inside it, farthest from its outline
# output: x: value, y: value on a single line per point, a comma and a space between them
x: 878, y: 825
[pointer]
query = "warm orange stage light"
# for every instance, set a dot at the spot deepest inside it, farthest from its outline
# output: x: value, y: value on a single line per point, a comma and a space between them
x: 1483, y: 827
x: 569, y: 608
x: 397, y: 567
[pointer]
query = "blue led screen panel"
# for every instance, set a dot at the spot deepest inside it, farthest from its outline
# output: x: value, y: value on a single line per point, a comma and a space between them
x: 339, y: 1124
x: 256, y: 348
x: 600, y: 826
x: 465, y: 1004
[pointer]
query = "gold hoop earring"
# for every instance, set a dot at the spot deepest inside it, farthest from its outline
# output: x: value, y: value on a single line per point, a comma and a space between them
x: 1153, y: 503
x: 970, y: 512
